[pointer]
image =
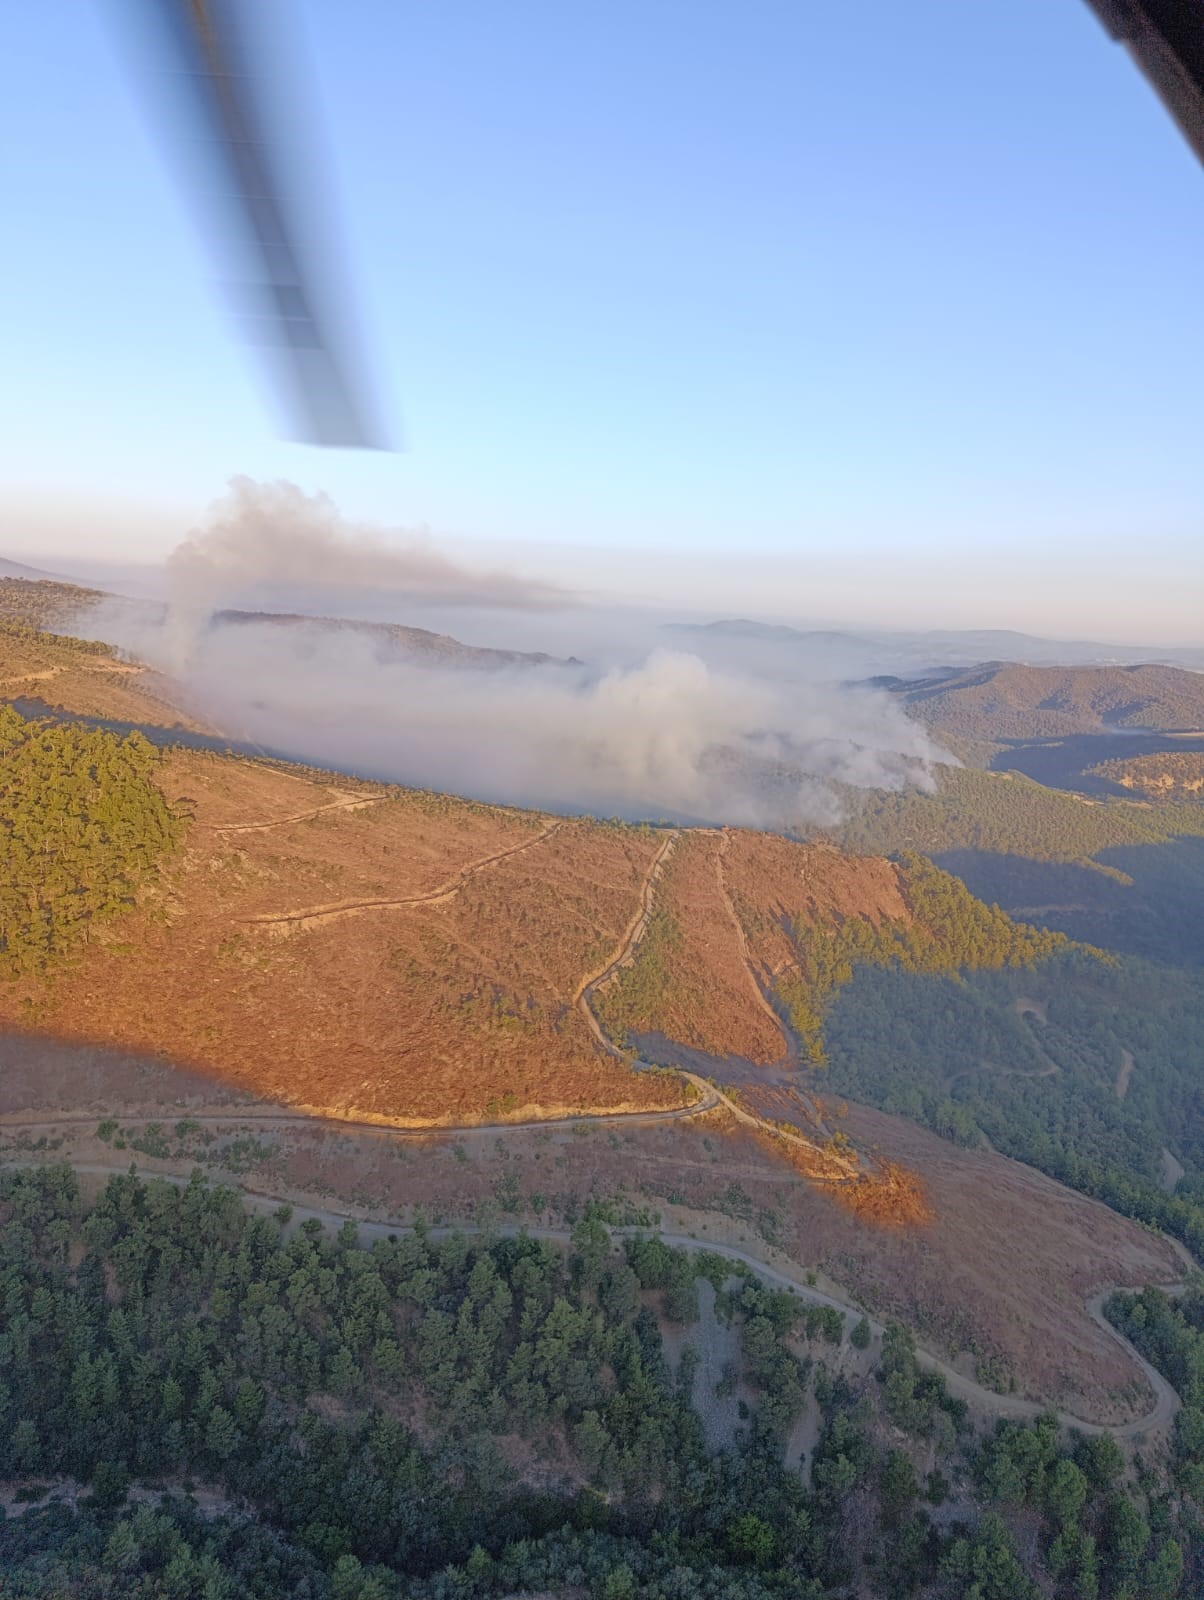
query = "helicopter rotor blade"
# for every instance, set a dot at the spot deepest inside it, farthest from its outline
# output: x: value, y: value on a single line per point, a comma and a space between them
x: 1166, y: 39
x: 261, y: 193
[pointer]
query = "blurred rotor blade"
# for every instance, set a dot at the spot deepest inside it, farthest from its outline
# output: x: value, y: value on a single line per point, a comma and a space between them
x: 1166, y: 39
x: 260, y: 185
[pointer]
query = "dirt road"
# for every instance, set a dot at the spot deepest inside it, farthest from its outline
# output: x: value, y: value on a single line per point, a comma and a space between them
x: 269, y: 1120
x: 844, y: 1169
x: 345, y: 802
x: 781, y: 1274
x: 626, y: 950
x: 316, y: 916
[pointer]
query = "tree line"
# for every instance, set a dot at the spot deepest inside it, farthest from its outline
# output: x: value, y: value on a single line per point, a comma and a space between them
x: 448, y: 1419
x: 949, y: 931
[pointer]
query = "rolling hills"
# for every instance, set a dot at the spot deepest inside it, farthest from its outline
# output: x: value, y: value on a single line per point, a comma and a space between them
x: 1005, y: 701
x: 48, y: 604
x: 1167, y: 775
x: 307, y: 965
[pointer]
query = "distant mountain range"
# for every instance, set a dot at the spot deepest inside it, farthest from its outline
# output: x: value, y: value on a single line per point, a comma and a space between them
x: 844, y: 652
x: 394, y: 641
x: 41, y: 602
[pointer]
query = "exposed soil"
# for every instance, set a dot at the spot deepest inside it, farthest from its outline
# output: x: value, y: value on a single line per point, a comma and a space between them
x: 439, y: 950
x: 731, y: 898
x: 1004, y: 1267
x: 708, y: 999
x: 458, y: 1005
x: 1125, y: 1073
x: 1172, y: 1171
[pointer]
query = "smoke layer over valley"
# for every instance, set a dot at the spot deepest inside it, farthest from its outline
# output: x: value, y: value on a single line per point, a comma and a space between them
x: 636, y: 732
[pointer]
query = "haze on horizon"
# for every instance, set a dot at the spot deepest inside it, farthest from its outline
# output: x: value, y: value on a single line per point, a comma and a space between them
x: 580, y: 589
x: 886, y: 318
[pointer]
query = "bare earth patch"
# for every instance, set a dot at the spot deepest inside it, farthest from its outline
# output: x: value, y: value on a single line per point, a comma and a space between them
x: 1003, y: 1267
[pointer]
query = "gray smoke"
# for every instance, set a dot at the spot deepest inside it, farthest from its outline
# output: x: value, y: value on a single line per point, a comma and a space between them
x: 662, y: 735
x: 272, y: 546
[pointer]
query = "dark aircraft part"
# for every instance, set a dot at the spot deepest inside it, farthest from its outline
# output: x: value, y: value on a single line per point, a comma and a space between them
x: 1166, y: 39
x: 258, y: 190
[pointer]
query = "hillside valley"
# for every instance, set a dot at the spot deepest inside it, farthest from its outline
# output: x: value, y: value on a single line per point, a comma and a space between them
x: 388, y: 1004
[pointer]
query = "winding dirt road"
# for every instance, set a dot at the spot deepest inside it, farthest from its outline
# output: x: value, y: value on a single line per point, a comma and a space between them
x: 782, y: 1274
x: 318, y: 916
x: 625, y: 952
x: 269, y: 1120
x: 847, y: 1171
x: 345, y: 802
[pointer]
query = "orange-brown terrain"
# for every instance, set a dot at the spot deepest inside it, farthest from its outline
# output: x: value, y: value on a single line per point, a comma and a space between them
x: 1001, y: 1272
x: 1165, y: 775
x: 365, y: 950
x: 86, y: 679
x: 378, y: 952
x: 697, y: 993
x: 321, y: 947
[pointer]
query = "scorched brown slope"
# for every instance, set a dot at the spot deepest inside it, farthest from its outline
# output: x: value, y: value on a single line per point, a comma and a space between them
x: 373, y: 952
x: 697, y: 994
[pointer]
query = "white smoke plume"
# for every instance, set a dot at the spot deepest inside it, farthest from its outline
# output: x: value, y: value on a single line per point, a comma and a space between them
x: 667, y: 737
x: 663, y: 735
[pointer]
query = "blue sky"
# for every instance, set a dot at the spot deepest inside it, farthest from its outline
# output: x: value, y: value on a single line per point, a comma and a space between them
x: 885, y: 307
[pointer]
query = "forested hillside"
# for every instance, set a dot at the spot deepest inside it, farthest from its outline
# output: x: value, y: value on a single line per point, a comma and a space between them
x: 1006, y: 700
x: 82, y: 828
x: 448, y: 1417
x: 387, y: 641
x: 1170, y: 1333
x: 1006, y: 814
x: 1126, y: 876
x: 1168, y: 775
x: 947, y: 931
x: 1049, y: 1087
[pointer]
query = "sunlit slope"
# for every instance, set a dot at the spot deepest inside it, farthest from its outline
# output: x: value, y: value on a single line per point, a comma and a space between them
x: 85, y: 678
x: 382, y: 952
x: 1168, y: 775
x: 753, y: 935
x: 1123, y: 874
x: 1008, y: 700
x: 364, y: 950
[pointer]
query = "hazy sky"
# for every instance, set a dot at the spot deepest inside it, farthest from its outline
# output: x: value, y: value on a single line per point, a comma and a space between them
x: 885, y: 309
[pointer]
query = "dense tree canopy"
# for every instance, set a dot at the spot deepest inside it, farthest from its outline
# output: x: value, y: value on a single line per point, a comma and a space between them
x: 446, y: 1418
x: 82, y: 827
x: 949, y: 931
x: 957, y: 1055
x: 1007, y: 814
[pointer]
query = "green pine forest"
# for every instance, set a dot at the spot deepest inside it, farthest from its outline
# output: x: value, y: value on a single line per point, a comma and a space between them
x: 1008, y: 814
x: 950, y: 932
x: 82, y: 830
x: 448, y: 1418
x: 924, y: 1021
